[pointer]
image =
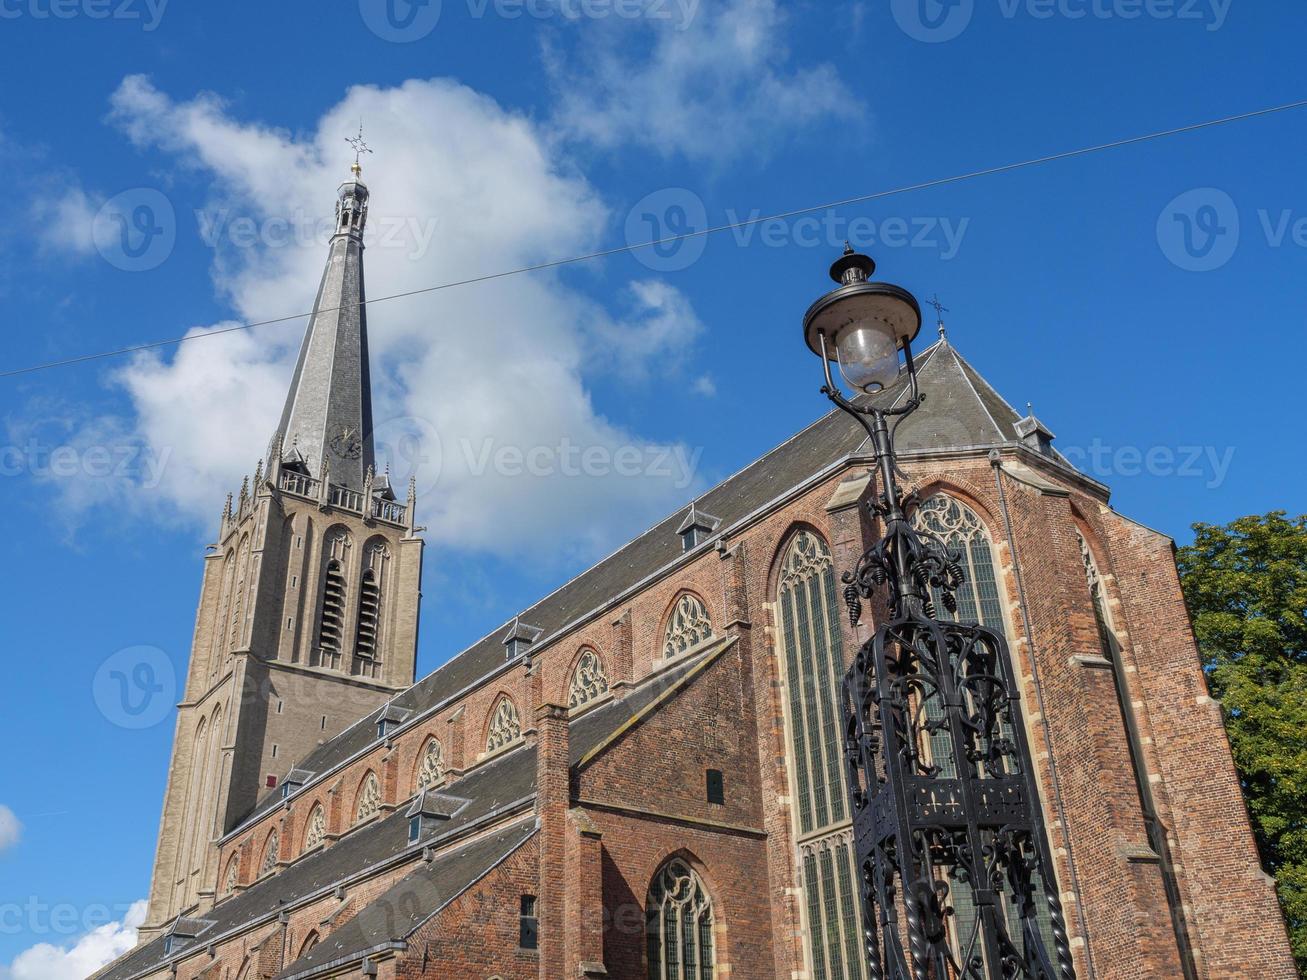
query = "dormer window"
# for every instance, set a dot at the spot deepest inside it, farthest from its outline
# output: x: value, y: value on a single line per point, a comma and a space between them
x: 520, y: 638
x: 391, y: 717
x: 183, y: 931
x: 294, y: 780
x: 697, y: 528
x: 428, y: 811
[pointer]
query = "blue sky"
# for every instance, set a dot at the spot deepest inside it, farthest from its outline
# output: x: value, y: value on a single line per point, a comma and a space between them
x: 1148, y: 301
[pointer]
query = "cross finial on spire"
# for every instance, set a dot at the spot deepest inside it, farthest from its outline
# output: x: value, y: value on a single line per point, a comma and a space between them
x: 360, y: 147
x: 940, y: 310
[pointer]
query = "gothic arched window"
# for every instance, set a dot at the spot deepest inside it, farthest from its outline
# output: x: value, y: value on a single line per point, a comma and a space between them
x: 965, y: 536
x: 505, y: 729
x: 809, y: 613
x: 369, y: 798
x: 432, y: 770
x: 332, y: 620
x: 229, y: 883
x: 315, y: 831
x: 679, y: 926
x: 310, y: 941
x: 270, y: 852
x: 588, y: 680
x: 688, y: 625
x: 238, y: 594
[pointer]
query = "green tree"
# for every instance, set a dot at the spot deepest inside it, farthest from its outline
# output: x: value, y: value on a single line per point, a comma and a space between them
x: 1246, y: 585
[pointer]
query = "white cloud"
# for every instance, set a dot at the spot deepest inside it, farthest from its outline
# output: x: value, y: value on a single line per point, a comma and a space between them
x: 10, y: 828
x: 460, y: 186
x: 721, y: 87
x: 45, y: 961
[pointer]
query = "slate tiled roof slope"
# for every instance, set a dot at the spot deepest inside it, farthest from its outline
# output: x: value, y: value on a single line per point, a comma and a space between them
x: 500, y: 785
x: 413, y: 899
x: 961, y: 410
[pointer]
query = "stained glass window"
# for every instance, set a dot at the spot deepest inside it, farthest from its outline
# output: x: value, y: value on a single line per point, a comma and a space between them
x: 505, y: 728
x: 588, y: 680
x: 688, y: 627
x: 369, y: 798
x: 679, y: 926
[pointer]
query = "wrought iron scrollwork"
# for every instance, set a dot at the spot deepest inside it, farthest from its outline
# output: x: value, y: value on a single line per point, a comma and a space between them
x: 946, y: 814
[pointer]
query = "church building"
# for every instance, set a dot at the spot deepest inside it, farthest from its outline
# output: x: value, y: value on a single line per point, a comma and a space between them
x: 642, y: 775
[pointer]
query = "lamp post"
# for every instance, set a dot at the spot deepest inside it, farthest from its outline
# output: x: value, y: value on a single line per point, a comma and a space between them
x: 948, y: 829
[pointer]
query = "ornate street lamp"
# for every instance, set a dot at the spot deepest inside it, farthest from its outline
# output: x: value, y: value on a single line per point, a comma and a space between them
x: 946, y: 815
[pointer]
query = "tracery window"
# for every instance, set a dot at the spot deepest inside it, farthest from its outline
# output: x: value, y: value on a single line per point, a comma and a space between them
x: 968, y: 540
x: 270, y: 852
x: 505, y: 729
x: 688, y: 626
x: 316, y: 830
x: 679, y: 926
x: 834, y: 917
x: 432, y: 770
x: 810, y: 613
x: 965, y: 536
x: 229, y: 884
x: 369, y: 798
x: 588, y: 680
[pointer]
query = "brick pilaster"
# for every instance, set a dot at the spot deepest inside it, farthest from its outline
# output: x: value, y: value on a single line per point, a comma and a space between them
x: 620, y: 665
x: 455, y: 741
x: 553, y: 796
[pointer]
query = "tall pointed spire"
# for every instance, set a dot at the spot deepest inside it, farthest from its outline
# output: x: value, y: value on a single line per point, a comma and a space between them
x: 328, y: 413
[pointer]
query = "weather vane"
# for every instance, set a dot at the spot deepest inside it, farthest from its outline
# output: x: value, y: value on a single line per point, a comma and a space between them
x: 940, y: 310
x: 360, y: 148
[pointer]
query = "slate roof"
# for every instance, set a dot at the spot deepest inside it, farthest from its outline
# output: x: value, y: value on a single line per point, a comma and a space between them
x: 412, y: 900
x: 961, y: 411
x: 499, y: 786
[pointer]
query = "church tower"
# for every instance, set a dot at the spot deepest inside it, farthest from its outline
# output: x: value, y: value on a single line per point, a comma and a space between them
x: 308, y: 610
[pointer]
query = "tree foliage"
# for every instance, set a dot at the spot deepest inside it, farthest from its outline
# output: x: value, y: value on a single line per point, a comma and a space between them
x: 1246, y: 585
